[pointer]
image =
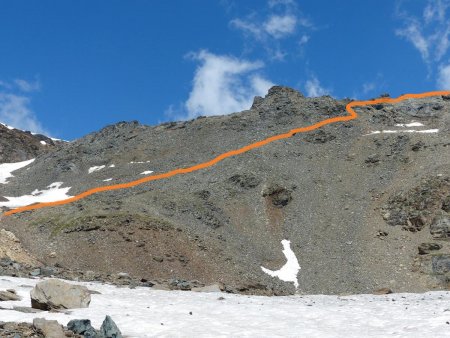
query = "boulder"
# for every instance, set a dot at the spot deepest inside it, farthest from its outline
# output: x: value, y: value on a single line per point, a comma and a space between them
x: 441, y: 264
x: 49, y: 328
x: 8, y: 295
x: 109, y: 329
x: 82, y: 327
x: 426, y: 248
x: 56, y: 294
x: 440, y: 227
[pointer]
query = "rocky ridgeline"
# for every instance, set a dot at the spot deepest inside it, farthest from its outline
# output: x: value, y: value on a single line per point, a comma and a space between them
x: 17, y: 145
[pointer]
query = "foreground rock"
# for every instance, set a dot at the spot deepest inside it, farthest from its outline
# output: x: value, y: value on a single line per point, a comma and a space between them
x: 49, y: 328
x: 83, y: 327
x: 8, y: 295
x: 56, y: 294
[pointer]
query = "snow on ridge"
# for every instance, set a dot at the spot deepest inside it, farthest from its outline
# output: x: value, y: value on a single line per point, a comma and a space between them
x: 53, y: 193
x: 95, y: 168
x: 289, y: 271
x: 9, y: 127
x: 7, y: 168
x: 147, y: 172
x: 411, y: 124
x: 427, y: 131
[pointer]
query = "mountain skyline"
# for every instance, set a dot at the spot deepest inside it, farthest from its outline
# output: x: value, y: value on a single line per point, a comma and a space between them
x: 103, y: 62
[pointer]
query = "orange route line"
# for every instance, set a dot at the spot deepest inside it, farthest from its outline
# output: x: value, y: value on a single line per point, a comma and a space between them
x: 351, y: 116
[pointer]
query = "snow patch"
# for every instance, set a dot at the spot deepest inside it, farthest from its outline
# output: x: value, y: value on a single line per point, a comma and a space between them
x: 146, y: 172
x: 409, y: 125
x: 139, y: 162
x: 95, y: 168
x: 43, y: 143
x: 112, y: 166
x: 427, y: 131
x: 7, y: 168
x: 289, y: 271
x: 53, y: 193
x: 107, y: 180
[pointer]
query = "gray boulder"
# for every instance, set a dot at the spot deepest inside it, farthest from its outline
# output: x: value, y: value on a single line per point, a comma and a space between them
x: 109, y: 329
x: 56, y: 294
x: 82, y: 327
x: 440, y: 227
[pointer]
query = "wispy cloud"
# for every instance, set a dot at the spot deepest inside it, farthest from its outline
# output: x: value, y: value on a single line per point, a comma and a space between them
x: 280, y: 26
x: 280, y: 21
x: 443, y: 80
x: 28, y: 86
x: 15, y: 111
x: 15, y: 107
x: 314, y: 88
x: 223, y: 84
x: 428, y: 33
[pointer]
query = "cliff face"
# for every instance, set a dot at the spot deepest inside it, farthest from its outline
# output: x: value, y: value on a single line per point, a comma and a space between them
x: 356, y: 199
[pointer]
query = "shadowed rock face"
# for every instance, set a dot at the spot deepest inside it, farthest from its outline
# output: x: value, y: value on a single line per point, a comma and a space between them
x: 356, y: 206
x: 17, y: 145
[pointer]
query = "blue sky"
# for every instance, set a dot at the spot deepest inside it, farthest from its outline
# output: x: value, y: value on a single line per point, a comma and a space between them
x: 68, y: 68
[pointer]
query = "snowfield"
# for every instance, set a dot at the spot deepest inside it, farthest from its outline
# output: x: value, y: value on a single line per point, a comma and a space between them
x: 53, y: 193
x: 7, y: 168
x: 143, y: 312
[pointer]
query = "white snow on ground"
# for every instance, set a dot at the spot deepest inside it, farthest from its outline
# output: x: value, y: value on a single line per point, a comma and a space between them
x: 143, y: 312
x: 146, y: 172
x: 427, y: 131
x: 9, y: 127
x: 107, y: 180
x: 411, y: 124
x: 140, y: 162
x: 95, y: 168
x: 112, y: 165
x: 7, y: 168
x: 43, y: 143
x: 288, y: 271
x: 52, y: 194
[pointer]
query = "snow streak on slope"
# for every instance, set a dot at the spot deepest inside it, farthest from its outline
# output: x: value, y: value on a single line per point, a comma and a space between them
x: 289, y: 271
x: 7, y: 168
x: 143, y: 312
x: 53, y: 193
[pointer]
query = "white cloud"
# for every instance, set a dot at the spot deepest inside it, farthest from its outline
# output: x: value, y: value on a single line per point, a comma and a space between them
x: 27, y: 86
x: 224, y: 84
x: 435, y: 11
x: 15, y: 111
x: 314, y: 88
x: 413, y: 34
x: 274, y: 3
x: 368, y: 87
x: 303, y: 40
x: 430, y: 33
x: 248, y: 28
x: 443, y: 81
x: 280, y: 26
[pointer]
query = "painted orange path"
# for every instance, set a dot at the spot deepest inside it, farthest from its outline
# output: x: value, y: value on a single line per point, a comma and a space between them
x: 351, y: 116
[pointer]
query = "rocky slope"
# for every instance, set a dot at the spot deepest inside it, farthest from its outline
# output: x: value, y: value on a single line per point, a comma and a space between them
x: 17, y: 145
x: 356, y: 205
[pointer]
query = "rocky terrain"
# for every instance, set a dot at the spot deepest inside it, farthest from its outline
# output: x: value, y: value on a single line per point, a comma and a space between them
x: 17, y: 145
x: 365, y: 203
